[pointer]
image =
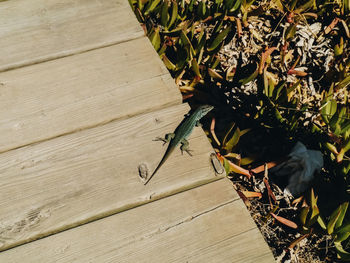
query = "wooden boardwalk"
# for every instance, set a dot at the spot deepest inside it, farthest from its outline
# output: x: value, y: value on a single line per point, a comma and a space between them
x: 83, y: 94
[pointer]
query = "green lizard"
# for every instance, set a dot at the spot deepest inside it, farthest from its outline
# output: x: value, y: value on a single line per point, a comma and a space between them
x: 180, y: 135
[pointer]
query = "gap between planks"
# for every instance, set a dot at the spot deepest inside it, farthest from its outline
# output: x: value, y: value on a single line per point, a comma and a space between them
x: 42, y: 30
x: 96, y: 170
x: 207, y: 223
x: 82, y: 91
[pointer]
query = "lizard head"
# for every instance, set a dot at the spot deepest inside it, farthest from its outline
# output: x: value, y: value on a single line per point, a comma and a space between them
x: 204, y: 109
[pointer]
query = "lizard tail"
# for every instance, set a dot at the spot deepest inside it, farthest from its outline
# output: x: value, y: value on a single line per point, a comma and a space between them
x: 165, y: 157
x: 154, y: 172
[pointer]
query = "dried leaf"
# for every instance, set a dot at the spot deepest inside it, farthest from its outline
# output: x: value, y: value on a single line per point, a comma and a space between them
x: 244, y: 198
x: 239, y: 27
x: 250, y: 194
x: 297, y: 72
x: 261, y: 168
x: 296, y: 241
x: 212, y: 131
x: 285, y: 221
x: 214, y: 74
x: 264, y: 57
x: 237, y: 169
x: 331, y: 25
x: 269, y: 190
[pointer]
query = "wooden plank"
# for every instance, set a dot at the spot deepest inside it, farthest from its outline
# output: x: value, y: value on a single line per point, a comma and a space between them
x: 61, y: 96
x: 205, y: 224
x: 40, y: 30
x: 73, y: 179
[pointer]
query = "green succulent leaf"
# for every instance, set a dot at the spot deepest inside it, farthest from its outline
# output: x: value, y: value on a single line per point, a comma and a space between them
x: 168, y: 63
x: 174, y: 14
x: 227, y: 166
x: 342, y: 233
x: 155, y: 38
x: 233, y: 141
x: 219, y: 39
x: 151, y: 6
x: 164, y: 14
x: 328, y: 110
x: 321, y: 222
x: 250, y: 78
x: 333, y: 220
x: 195, y: 68
x: 342, y: 253
x: 343, y: 209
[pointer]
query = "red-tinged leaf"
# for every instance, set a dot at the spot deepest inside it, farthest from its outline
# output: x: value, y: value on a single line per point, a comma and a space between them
x: 297, y: 72
x: 220, y: 157
x: 269, y: 190
x: 298, y: 200
x: 187, y: 96
x: 331, y: 25
x: 296, y: 241
x: 343, y: 208
x: 310, y: 15
x: 239, y: 170
x: 285, y: 221
x: 264, y: 57
x: 212, y: 132
x: 333, y: 220
x: 313, y: 198
x: 250, y: 194
x: 331, y: 147
x: 261, y: 168
x: 244, y: 198
x: 239, y: 27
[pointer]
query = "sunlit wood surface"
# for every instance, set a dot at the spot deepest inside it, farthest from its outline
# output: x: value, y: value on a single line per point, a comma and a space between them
x: 83, y: 94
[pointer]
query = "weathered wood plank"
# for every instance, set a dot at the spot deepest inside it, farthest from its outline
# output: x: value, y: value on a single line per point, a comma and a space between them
x: 40, y: 30
x: 57, y: 97
x: 72, y: 179
x: 205, y: 224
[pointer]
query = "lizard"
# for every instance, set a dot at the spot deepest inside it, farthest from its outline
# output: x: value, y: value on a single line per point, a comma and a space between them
x: 180, y: 135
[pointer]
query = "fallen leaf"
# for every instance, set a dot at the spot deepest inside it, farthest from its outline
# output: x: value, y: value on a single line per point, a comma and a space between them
x: 212, y: 131
x: 244, y: 198
x: 261, y: 168
x: 297, y: 72
x: 264, y: 57
x: 296, y: 241
x: 250, y: 194
x: 331, y: 25
x: 285, y: 221
x: 237, y: 169
x: 269, y: 191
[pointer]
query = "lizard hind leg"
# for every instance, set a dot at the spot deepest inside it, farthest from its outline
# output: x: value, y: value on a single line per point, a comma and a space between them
x: 168, y: 138
x: 185, y: 147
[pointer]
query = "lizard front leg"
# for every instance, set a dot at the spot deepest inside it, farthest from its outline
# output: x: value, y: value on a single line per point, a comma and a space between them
x: 184, y: 147
x: 168, y: 138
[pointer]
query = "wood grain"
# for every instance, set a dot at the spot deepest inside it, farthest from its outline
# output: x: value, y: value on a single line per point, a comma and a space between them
x: 205, y: 224
x: 39, y: 30
x: 73, y: 179
x: 61, y: 96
